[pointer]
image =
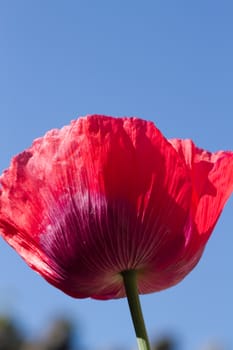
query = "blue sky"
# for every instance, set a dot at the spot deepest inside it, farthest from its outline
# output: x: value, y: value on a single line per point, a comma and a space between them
x: 167, y: 61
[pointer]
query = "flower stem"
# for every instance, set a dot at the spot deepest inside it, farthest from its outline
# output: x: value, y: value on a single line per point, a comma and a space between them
x: 130, y: 283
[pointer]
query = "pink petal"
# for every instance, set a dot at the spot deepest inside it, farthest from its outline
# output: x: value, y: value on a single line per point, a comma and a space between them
x: 104, y: 195
x: 212, y: 179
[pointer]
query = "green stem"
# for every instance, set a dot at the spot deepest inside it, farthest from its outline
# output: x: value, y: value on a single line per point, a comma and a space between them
x: 130, y: 283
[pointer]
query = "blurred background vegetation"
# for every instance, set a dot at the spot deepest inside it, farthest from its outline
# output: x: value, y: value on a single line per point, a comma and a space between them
x: 61, y: 334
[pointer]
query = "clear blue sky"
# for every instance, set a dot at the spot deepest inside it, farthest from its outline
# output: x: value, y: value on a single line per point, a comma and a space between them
x: 167, y: 61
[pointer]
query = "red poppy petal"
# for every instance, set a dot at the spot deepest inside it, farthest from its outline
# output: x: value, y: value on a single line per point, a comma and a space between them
x: 98, y: 197
x: 212, y: 178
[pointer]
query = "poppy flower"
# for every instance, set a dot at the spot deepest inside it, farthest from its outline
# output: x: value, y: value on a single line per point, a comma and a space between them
x: 106, y: 195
